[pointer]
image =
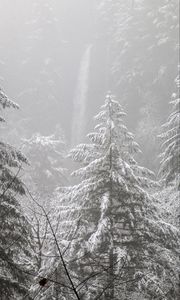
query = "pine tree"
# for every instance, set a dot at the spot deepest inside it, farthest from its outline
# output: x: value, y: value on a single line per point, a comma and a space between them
x: 46, y: 172
x: 110, y: 233
x: 15, y: 233
x: 142, y: 38
x: 170, y: 157
x: 47, y: 159
x: 119, y: 232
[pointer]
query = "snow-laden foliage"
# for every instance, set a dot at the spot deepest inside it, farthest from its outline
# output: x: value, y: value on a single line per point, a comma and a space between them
x: 46, y: 155
x: 170, y: 157
x: 169, y: 204
x: 5, y: 102
x: 46, y: 172
x: 111, y: 221
x: 15, y: 233
x: 141, y: 44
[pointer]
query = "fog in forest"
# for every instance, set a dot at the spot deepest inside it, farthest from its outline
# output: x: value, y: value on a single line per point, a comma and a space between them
x: 58, y: 60
x: 62, y: 62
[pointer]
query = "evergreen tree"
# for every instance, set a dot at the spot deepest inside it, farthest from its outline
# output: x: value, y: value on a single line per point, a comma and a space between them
x: 142, y: 41
x: 15, y: 233
x: 46, y: 172
x: 170, y: 157
x: 120, y: 236
x: 47, y: 163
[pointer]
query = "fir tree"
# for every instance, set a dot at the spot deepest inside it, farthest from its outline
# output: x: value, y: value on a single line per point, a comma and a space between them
x: 47, y: 159
x: 120, y: 235
x: 46, y: 172
x: 142, y: 43
x: 170, y: 157
x: 15, y: 231
x: 113, y: 241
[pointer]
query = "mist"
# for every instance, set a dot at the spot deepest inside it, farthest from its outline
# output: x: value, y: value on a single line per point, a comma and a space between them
x: 89, y: 103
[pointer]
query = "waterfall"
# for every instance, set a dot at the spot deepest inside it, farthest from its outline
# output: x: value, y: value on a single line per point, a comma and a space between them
x: 80, y: 99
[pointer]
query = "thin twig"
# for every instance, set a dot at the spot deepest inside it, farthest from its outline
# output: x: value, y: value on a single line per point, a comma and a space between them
x: 59, y: 250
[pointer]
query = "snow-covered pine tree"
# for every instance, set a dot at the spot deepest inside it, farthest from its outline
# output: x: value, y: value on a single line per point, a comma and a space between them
x: 47, y: 162
x: 15, y: 233
x: 170, y: 157
x: 142, y: 42
x: 46, y: 172
x: 119, y: 235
